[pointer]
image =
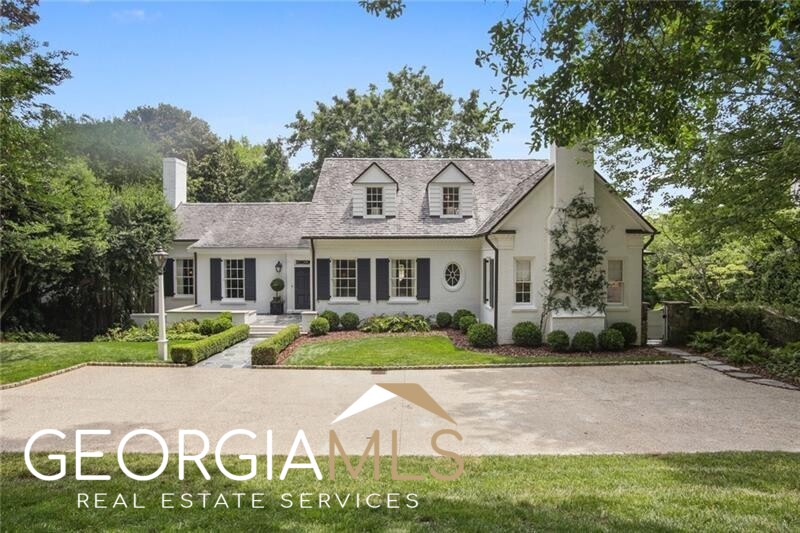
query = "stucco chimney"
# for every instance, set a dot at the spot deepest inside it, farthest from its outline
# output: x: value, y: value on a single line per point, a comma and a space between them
x: 574, y: 172
x: 174, y: 178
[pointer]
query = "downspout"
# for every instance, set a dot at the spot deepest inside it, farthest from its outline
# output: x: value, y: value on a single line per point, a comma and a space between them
x: 650, y: 240
x: 194, y: 278
x: 314, y: 277
x: 496, y: 277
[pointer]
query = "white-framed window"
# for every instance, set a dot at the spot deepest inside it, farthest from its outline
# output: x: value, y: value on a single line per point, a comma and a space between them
x: 374, y: 201
x: 453, y: 276
x: 404, y: 278
x: 450, y: 200
x: 233, y: 279
x: 522, y: 281
x: 344, y: 278
x: 184, y: 277
x: 616, y: 287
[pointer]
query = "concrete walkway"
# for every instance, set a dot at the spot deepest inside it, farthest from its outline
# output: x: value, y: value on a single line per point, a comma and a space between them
x: 549, y: 410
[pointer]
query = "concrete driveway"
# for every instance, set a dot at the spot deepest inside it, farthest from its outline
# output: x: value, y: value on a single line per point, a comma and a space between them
x: 552, y: 410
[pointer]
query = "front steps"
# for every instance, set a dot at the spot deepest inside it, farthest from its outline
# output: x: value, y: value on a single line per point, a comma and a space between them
x: 261, y: 330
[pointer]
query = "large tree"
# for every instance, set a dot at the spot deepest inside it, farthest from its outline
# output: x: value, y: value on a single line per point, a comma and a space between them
x: 697, y: 99
x: 412, y: 117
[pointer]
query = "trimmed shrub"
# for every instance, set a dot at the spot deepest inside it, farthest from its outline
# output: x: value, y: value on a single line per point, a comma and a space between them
x: 211, y: 326
x: 319, y: 326
x: 395, y: 324
x: 628, y: 331
x: 584, y: 341
x: 467, y: 321
x: 444, y: 319
x: 482, y: 335
x: 203, y: 349
x: 266, y: 352
x: 277, y: 284
x: 350, y: 321
x: 558, y: 340
x: 461, y: 313
x: 611, y: 340
x: 526, y: 334
x: 332, y: 318
x: 185, y: 336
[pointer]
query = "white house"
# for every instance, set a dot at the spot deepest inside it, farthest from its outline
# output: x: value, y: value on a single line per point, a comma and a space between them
x: 402, y: 235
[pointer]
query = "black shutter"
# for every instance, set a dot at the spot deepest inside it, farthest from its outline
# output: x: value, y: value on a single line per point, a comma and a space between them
x: 491, y: 283
x: 169, y: 278
x: 250, y: 279
x: 216, y: 279
x: 381, y: 279
x: 484, y: 277
x: 323, y: 279
x: 363, y: 274
x: 423, y: 278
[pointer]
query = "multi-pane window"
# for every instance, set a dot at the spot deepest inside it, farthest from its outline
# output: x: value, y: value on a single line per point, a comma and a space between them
x: 344, y: 278
x: 233, y: 278
x: 374, y: 200
x: 615, y: 283
x: 184, y: 277
x: 522, y: 281
x: 404, y: 281
x: 450, y: 200
x: 452, y: 275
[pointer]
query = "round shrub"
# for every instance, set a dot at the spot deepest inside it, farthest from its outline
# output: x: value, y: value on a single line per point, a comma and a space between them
x: 558, y: 340
x: 331, y: 317
x: 628, y: 331
x: 466, y: 322
x: 277, y: 285
x: 526, y: 334
x: 444, y: 319
x: 350, y: 321
x: 458, y: 315
x: 482, y: 335
x: 319, y: 326
x: 611, y: 340
x: 584, y: 341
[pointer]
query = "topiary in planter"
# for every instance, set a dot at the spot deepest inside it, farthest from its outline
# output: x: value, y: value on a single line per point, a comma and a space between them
x: 526, y: 334
x: 611, y: 340
x: 628, y: 331
x: 584, y: 341
x: 444, y: 319
x: 331, y: 317
x: 277, y: 285
x: 319, y: 326
x: 558, y: 340
x: 466, y: 322
x: 482, y: 335
x: 458, y: 315
x: 350, y: 321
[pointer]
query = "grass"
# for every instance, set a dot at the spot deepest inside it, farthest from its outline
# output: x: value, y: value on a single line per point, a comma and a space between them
x: 755, y: 491
x: 22, y: 360
x: 422, y: 350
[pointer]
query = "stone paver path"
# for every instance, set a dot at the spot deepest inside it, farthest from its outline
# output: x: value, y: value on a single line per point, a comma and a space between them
x: 237, y: 356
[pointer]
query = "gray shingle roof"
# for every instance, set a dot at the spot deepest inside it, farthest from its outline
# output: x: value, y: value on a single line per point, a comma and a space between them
x: 245, y: 225
x: 499, y: 183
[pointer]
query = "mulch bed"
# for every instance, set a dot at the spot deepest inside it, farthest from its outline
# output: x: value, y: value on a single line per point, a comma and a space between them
x: 460, y: 341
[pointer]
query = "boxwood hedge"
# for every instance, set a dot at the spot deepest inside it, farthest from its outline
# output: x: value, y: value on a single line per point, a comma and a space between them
x: 203, y: 349
x: 266, y: 352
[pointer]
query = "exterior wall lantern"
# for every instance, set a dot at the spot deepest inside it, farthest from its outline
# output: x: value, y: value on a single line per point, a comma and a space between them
x: 278, y: 267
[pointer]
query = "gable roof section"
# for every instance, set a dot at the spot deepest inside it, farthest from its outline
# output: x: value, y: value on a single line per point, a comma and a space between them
x: 331, y: 212
x: 242, y: 225
x: 376, y: 165
x: 450, y: 164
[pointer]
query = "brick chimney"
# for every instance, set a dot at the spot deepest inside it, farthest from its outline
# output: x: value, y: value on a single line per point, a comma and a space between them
x: 174, y: 181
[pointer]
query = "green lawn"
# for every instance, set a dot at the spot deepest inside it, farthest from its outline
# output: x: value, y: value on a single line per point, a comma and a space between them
x: 421, y: 350
x: 676, y: 492
x: 22, y: 360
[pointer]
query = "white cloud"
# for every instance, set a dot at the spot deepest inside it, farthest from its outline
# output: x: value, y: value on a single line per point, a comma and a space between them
x: 134, y: 16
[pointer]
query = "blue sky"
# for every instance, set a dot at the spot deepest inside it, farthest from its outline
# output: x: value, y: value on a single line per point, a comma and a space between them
x: 247, y: 68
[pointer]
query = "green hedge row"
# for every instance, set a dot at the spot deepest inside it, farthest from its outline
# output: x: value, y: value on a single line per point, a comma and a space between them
x: 203, y: 349
x: 266, y: 352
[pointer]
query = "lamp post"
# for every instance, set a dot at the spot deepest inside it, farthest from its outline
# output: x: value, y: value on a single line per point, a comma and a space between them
x: 160, y: 257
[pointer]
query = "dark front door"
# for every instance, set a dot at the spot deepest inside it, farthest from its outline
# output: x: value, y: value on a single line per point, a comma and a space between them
x: 302, y: 288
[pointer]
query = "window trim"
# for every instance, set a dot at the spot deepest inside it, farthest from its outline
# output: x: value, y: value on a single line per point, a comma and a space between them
x: 529, y: 304
x: 367, y: 214
x: 223, y: 270
x: 621, y: 302
x: 457, y: 286
x: 393, y: 298
x: 457, y: 214
x: 176, y: 277
x: 343, y: 299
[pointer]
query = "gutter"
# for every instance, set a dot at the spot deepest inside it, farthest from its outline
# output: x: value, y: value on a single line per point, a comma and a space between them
x: 314, y: 277
x: 496, y: 278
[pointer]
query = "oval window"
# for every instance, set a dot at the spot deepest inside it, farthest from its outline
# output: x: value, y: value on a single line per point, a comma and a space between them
x: 452, y: 275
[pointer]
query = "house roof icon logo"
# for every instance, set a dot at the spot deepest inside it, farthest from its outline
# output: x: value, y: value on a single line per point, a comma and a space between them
x: 383, y: 392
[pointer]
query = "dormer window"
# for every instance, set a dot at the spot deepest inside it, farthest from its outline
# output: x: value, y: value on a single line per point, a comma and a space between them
x: 374, y: 201
x: 450, y: 201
